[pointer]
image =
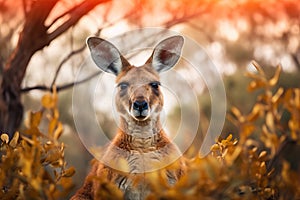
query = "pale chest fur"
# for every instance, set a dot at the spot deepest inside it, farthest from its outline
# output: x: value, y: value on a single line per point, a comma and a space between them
x: 138, y: 158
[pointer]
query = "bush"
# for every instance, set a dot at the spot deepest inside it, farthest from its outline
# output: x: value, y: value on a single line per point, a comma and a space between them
x: 32, y: 163
x: 255, y: 166
x: 261, y: 164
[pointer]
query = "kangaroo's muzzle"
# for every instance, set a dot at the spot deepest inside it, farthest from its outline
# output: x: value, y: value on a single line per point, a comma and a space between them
x: 140, y: 109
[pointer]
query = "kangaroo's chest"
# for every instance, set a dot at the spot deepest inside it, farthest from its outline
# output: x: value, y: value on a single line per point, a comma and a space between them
x: 136, y: 166
x: 142, y: 167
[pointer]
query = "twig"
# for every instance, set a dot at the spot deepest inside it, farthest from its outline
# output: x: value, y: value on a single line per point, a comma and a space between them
x: 62, y: 15
x: 72, y: 53
x: 168, y: 24
x: 79, y: 50
x: 62, y: 87
x: 75, y: 16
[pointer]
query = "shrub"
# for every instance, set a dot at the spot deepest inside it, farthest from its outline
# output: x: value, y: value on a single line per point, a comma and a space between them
x: 32, y: 163
x: 262, y: 163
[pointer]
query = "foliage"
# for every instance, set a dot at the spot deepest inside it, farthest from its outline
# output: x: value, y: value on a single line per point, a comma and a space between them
x: 32, y: 162
x: 250, y: 167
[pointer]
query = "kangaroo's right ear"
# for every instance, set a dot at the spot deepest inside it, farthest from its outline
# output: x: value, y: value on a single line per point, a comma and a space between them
x: 106, y: 56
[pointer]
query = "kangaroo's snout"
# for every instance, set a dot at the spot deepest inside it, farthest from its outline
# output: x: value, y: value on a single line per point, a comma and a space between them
x: 140, y: 108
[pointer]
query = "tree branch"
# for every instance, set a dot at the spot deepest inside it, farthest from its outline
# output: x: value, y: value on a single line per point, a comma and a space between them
x: 62, y: 87
x: 75, y: 15
x: 71, y: 54
x: 61, y: 16
x: 79, y: 50
x: 75, y: 12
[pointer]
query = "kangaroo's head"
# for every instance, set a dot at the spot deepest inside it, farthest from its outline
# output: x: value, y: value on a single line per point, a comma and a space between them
x: 138, y: 96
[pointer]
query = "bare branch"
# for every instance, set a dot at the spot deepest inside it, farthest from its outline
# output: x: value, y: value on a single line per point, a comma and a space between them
x: 168, y: 24
x: 79, y: 50
x: 71, y: 54
x: 75, y: 16
x: 62, y: 87
x: 62, y: 15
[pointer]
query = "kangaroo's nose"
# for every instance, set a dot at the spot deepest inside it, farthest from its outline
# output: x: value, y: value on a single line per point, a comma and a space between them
x: 140, y: 105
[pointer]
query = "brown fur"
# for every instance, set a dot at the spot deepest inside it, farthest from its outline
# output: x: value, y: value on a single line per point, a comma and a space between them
x: 140, y: 142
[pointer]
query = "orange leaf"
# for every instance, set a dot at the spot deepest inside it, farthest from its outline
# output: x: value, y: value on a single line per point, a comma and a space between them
x: 273, y: 81
x: 58, y: 131
x: 259, y: 68
x: 48, y: 101
x: 277, y: 95
x: 69, y: 172
x: 14, y: 141
x: 236, y: 112
x: 4, y: 137
x: 35, y: 119
x: 52, y: 126
x: 256, y: 110
x: 270, y: 121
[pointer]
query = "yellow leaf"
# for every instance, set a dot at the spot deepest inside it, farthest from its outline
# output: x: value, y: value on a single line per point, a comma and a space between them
x: 229, y: 137
x: 288, y: 95
x: 236, y: 112
x: 52, y: 126
x: 36, y: 183
x: 58, y: 131
x: 270, y: 121
x: 14, y: 141
x: 259, y: 68
x: 262, y: 156
x: 33, y: 131
x: 5, y: 138
x: 53, y: 158
x: 252, y: 75
x: 48, y: 101
x: 215, y: 147
x: 230, y: 158
x: 252, y: 86
x: 69, y: 172
x: 277, y: 95
x: 273, y: 81
x: 35, y: 119
x: 56, y: 113
x: 256, y: 84
x: 263, y: 168
x: 247, y: 130
x: 256, y: 110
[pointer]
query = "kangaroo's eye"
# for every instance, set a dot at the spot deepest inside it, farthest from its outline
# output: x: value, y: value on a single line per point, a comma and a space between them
x: 155, y: 85
x: 123, y: 86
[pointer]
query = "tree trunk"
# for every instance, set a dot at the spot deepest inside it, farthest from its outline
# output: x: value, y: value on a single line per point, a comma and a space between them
x: 34, y: 36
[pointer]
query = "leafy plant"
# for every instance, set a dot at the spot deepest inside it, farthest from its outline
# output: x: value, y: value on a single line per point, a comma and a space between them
x: 262, y: 163
x: 32, y: 162
x: 252, y: 166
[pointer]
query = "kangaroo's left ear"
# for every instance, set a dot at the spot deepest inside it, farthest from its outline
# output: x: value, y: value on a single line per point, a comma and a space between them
x: 166, y: 53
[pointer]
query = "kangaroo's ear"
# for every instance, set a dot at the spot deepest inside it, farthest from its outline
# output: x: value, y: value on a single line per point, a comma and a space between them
x: 106, y: 56
x: 166, y: 53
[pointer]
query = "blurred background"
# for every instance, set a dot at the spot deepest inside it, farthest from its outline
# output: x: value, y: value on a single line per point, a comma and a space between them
x: 42, y: 43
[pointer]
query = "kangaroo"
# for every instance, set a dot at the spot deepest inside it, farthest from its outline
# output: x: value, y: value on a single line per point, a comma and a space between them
x: 140, y: 139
